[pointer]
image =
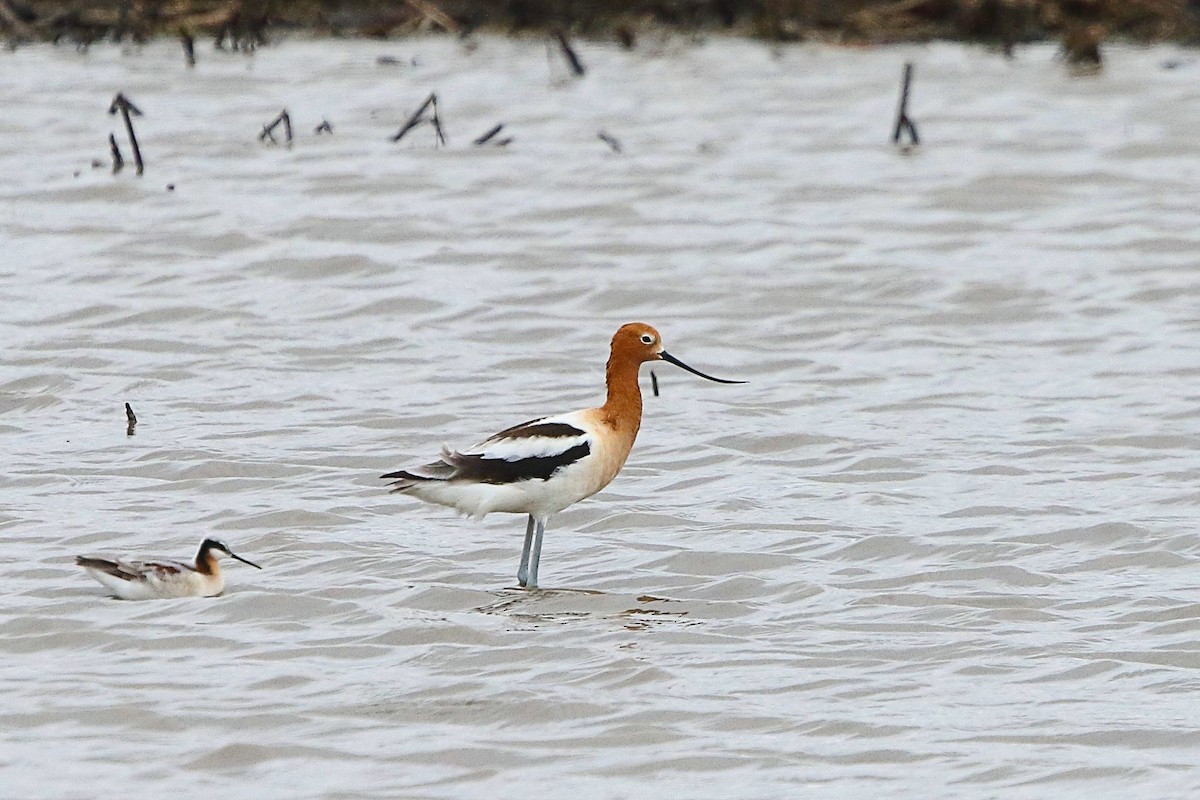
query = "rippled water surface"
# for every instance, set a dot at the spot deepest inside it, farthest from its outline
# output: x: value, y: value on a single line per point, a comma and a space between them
x: 942, y: 544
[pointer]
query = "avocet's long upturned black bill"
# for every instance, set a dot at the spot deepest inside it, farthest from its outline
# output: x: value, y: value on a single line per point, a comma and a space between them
x: 670, y: 359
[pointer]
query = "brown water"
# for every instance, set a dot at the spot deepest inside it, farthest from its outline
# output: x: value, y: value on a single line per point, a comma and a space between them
x: 942, y: 544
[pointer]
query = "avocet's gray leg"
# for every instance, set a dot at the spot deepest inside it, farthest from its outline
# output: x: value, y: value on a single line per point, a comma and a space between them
x: 523, y: 570
x: 536, y: 556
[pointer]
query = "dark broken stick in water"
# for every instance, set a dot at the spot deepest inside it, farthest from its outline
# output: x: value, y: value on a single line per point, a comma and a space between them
x: 609, y: 140
x: 324, y: 127
x: 419, y: 116
x: 189, y: 47
x: 268, y: 131
x: 569, y: 53
x: 487, y: 137
x: 903, y: 121
x: 130, y: 420
x: 437, y: 124
x: 121, y: 103
x: 117, y: 158
x: 654, y: 382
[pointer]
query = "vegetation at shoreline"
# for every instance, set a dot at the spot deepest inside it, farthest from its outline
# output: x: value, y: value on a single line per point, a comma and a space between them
x: 248, y: 23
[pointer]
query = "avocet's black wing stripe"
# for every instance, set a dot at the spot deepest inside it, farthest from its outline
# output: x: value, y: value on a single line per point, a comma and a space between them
x: 482, y: 469
x: 538, y: 427
x: 533, y: 450
x: 537, y: 439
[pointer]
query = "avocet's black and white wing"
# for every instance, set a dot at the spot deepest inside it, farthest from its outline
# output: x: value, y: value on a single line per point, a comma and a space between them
x: 533, y: 450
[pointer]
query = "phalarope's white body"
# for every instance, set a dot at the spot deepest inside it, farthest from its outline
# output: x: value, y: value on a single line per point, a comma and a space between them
x: 542, y: 466
x: 148, y: 580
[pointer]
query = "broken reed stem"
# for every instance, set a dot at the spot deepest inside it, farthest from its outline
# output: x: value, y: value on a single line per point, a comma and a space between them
x: 903, y: 121
x: 419, y: 116
x: 268, y: 131
x: 133, y: 142
x: 654, y: 382
x: 189, y: 48
x: 130, y: 420
x: 569, y: 52
x: 609, y: 140
x: 437, y: 123
x: 117, y: 158
x: 415, y: 119
x: 121, y: 103
x: 487, y: 137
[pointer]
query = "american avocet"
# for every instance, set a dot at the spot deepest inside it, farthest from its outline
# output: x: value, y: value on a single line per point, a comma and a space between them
x: 146, y: 580
x: 542, y: 466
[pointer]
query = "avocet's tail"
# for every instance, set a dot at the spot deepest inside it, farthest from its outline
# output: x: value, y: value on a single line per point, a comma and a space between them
x: 441, y: 470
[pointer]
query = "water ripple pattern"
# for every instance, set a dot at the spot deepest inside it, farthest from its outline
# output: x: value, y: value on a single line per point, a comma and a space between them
x: 942, y: 544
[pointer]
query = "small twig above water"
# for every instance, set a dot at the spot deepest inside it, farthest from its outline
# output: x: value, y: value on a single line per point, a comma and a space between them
x: 324, y: 127
x: 268, y: 131
x: 121, y: 104
x: 487, y: 137
x: 654, y: 382
x: 118, y: 161
x: 418, y: 117
x: 904, y: 123
x: 569, y: 52
x: 437, y: 124
x: 189, y: 48
x: 609, y: 140
x: 393, y: 61
x: 130, y: 420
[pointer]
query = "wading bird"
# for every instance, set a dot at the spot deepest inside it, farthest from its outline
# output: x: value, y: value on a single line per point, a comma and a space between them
x: 542, y: 466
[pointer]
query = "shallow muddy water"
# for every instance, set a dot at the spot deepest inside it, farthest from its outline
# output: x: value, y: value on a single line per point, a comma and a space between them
x: 942, y: 544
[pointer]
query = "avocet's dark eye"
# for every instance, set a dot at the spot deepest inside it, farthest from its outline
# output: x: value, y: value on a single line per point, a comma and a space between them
x: 647, y: 339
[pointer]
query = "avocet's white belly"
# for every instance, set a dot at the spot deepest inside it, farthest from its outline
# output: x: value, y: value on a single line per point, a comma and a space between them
x: 541, y: 498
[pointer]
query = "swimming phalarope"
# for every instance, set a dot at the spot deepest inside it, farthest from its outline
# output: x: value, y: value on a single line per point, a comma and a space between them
x: 147, y: 579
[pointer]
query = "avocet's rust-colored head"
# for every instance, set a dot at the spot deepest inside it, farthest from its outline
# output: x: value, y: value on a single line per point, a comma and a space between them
x: 639, y: 342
